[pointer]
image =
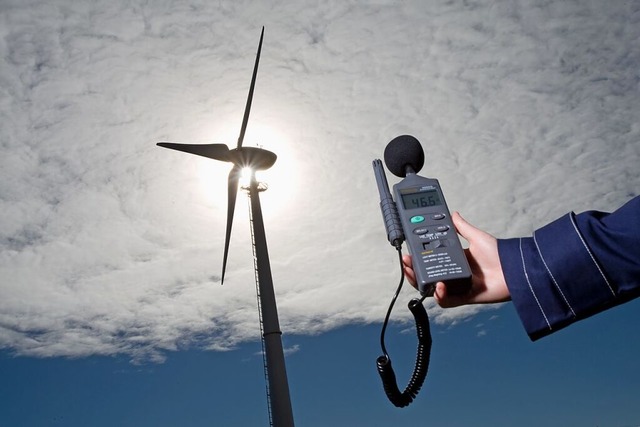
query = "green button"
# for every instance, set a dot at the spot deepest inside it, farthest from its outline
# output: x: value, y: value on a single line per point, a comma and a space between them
x: 416, y: 219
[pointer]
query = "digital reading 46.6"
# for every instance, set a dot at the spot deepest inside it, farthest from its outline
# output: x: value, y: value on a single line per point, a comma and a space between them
x: 421, y: 199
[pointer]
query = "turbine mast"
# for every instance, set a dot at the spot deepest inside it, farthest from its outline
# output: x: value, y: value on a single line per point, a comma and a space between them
x: 279, y: 397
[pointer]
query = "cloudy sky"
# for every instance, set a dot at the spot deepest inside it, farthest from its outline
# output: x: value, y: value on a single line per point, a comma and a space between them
x: 111, y: 248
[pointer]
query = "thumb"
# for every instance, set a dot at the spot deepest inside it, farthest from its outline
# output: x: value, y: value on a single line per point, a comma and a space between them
x: 465, y: 229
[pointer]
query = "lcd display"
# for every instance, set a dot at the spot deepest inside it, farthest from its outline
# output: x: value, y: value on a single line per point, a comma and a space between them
x: 422, y: 199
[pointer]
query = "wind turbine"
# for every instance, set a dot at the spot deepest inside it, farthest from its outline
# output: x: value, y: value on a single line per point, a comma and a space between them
x: 279, y: 401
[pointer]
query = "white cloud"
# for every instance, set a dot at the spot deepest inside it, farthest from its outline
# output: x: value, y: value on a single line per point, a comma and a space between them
x: 112, y: 245
x: 287, y: 350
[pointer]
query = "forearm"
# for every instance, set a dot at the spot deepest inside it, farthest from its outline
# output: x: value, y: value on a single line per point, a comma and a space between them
x: 575, y: 267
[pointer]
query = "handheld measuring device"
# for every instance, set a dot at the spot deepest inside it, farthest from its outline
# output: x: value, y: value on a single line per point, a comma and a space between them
x: 420, y: 216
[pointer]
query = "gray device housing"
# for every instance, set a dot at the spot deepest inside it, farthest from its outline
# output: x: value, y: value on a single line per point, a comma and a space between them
x: 431, y: 237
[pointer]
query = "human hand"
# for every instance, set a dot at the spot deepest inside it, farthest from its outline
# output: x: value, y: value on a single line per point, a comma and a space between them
x: 487, y: 282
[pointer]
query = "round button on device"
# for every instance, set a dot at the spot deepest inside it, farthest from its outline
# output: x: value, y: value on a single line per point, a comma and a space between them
x: 417, y: 219
x: 438, y: 216
x: 421, y: 230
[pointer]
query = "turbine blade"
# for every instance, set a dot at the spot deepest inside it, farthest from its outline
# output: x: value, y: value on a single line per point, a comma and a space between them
x: 247, y: 108
x: 212, y: 151
x: 234, y: 178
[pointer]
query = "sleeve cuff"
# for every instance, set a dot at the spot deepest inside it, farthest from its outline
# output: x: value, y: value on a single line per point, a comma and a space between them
x: 553, y: 278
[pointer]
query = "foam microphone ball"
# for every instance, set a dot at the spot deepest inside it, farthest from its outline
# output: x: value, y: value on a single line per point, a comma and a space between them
x: 403, y: 151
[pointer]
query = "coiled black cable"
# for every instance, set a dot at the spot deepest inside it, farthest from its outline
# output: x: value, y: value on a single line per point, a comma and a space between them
x: 385, y: 369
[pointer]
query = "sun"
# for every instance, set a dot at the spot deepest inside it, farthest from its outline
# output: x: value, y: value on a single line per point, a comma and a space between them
x: 245, y: 177
x: 281, y: 179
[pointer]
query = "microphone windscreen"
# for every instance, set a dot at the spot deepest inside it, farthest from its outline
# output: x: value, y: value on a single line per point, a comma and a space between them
x: 403, y: 151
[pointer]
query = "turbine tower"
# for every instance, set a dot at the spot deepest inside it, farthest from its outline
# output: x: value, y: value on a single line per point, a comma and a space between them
x: 279, y: 401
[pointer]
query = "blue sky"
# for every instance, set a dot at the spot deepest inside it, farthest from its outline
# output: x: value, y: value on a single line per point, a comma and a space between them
x: 111, y: 309
x: 584, y: 375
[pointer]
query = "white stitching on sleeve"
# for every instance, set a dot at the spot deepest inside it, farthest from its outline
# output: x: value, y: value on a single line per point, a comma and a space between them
x: 551, y: 274
x: 524, y: 268
x: 575, y: 227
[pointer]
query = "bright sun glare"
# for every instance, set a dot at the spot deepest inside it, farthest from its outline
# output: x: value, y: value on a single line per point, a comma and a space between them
x: 281, y: 178
x: 245, y: 177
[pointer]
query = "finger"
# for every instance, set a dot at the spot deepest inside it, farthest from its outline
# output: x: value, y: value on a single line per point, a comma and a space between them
x: 407, y: 269
x: 440, y: 294
x: 445, y: 300
x: 407, y: 261
x: 465, y: 229
x: 411, y: 276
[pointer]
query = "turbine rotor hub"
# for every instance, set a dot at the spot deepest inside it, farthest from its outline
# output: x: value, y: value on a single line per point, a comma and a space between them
x: 252, y: 157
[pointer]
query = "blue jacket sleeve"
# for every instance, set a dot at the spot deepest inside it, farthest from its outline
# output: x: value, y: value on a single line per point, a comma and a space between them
x: 574, y: 267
